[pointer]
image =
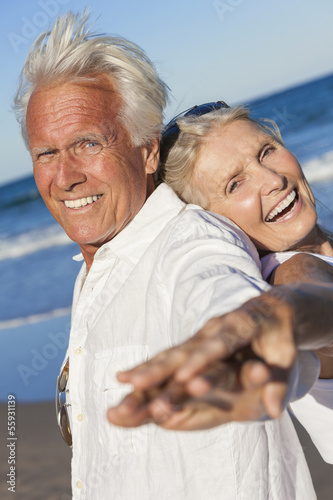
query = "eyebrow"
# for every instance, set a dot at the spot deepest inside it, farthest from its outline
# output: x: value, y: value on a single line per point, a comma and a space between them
x: 88, y: 137
x: 77, y: 140
x: 39, y: 151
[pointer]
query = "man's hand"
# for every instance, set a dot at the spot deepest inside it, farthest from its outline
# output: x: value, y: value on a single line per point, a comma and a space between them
x: 269, y: 327
x: 225, y: 392
x: 214, y: 377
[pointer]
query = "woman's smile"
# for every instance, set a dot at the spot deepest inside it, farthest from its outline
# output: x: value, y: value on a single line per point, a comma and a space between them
x: 256, y: 182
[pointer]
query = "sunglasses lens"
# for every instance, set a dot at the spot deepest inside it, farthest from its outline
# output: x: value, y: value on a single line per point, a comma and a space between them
x: 64, y: 426
x: 171, y: 131
x: 63, y: 377
x: 61, y: 405
x: 203, y: 109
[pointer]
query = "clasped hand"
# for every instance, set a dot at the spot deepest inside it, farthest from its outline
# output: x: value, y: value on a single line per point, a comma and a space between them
x: 236, y: 368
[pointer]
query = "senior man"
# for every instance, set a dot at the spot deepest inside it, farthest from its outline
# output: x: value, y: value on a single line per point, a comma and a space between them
x: 154, y: 272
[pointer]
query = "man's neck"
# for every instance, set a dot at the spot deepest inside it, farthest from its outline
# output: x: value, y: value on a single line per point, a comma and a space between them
x: 89, y: 251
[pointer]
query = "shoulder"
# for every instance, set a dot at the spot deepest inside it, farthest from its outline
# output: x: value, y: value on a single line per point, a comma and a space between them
x: 297, y: 266
x: 195, y: 223
x: 207, y: 239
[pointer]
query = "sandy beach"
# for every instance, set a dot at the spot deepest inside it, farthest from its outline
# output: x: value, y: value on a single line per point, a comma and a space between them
x: 43, y: 459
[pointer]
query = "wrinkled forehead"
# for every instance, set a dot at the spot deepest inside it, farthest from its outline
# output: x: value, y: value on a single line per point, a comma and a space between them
x: 241, y: 130
x: 68, y: 105
x: 82, y: 89
x: 230, y: 146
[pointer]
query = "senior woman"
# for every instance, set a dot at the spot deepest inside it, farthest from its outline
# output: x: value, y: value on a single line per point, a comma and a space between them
x: 218, y: 157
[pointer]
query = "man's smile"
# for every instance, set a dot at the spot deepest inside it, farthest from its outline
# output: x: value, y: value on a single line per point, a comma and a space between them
x: 82, y: 202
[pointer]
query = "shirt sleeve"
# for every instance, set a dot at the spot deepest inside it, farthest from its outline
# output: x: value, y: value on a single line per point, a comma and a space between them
x: 210, y: 270
x: 208, y: 267
x: 315, y: 412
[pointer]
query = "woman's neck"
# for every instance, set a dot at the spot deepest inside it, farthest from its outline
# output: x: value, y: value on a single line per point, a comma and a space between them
x: 317, y: 242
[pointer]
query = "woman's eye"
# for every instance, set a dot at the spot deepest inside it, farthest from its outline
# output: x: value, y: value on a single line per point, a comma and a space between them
x: 233, y: 186
x: 267, y: 151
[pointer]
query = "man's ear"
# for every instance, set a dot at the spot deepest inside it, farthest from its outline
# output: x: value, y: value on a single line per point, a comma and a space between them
x: 152, y: 155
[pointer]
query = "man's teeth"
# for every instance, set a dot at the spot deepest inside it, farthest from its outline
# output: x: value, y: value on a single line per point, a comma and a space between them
x: 82, y: 202
x: 281, y: 206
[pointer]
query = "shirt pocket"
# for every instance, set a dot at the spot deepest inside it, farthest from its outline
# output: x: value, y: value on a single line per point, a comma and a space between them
x: 119, y: 440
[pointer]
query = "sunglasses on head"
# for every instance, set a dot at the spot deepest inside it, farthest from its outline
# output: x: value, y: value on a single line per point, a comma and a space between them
x: 171, y: 130
x: 61, y: 405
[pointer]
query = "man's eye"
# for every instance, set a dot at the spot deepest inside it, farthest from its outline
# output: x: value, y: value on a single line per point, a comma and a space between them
x: 89, y: 148
x: 45, y: 154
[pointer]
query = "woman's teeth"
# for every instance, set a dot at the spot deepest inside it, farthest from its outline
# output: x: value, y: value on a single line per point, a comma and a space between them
x: 82, y: 202
x: 281, y: 206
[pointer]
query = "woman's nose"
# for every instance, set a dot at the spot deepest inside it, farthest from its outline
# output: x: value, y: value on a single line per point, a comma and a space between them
x: 270, y: 180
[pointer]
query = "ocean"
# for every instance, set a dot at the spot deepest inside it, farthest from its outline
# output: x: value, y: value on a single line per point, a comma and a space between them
x: 36, y: 264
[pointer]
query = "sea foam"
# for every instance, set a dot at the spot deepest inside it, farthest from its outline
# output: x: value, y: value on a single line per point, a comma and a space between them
x: 320, y: 168
x: 33, y: 241
x: 35, y: 318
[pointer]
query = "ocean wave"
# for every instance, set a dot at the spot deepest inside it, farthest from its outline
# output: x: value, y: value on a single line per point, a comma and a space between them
x: 320, y: 168
x: 20, y: 199
x: 35, y: 318
x: 33, y: 241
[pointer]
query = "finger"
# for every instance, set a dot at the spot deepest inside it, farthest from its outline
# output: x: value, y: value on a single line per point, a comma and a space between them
x: 218, y: 339
x: 155, y: 371
x: 276, y: 347
x: 132, y: 411
x: 219, y: 376
x: 196, y: 416
x: 217, y: 408
x: 273, y: 398
x: 254, y: 373
x: 275, y: 392
x: 274, y: 342
x: 169, y: 400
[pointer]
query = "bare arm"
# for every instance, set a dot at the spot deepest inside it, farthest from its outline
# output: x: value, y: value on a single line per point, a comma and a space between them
x: 309, y: 269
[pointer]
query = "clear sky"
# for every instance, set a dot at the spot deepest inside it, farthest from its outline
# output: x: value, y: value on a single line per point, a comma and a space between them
x: 205, y: 50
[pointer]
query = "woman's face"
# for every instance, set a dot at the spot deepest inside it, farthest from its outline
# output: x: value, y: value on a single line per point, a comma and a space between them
x: 253, y: 180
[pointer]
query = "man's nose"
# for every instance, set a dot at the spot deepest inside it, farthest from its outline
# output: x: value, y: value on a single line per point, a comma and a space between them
x: 69, y: 171
x: 271, y: 180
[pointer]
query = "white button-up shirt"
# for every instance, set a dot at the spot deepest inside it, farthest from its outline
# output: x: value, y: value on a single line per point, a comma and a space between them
x: 151, y: 287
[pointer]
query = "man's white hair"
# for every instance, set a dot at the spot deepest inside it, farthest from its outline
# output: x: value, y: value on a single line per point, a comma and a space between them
x: 70, y: 52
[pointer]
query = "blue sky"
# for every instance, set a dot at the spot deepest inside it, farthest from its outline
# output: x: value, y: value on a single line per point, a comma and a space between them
x: 204, y: 49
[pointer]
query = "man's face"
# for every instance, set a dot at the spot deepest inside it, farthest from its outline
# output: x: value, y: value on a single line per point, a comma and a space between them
x: 90, y: 176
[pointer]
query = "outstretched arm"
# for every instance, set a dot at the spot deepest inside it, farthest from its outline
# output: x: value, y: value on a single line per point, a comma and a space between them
x: 273, y: 325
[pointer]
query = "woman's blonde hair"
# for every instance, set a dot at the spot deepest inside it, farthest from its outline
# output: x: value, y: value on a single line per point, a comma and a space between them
x: 178, y: 159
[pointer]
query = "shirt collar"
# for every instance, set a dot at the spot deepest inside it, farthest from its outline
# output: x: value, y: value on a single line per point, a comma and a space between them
x: 132, y: 241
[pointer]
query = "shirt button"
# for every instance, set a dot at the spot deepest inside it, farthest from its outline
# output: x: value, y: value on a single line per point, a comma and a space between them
x: 80, y: 417
x: 78, y: 350
x: 79, y: 484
